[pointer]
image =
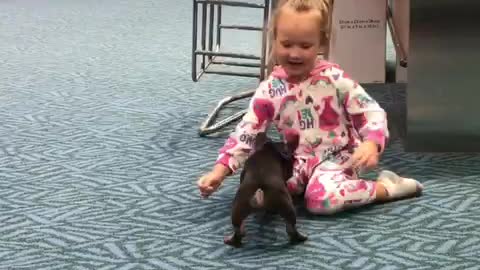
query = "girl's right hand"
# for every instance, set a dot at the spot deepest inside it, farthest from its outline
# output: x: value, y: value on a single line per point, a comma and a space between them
x: 211, y: 181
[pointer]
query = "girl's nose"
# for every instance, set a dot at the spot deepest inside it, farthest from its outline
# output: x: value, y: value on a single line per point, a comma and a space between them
x: 294, y: 54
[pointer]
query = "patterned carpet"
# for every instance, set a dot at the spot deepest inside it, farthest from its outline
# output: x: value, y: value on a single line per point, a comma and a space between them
x: 99, y: 158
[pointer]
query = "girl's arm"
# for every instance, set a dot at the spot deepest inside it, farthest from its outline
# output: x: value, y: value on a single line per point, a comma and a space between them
x: 261, y: 112
x: 368, y: 118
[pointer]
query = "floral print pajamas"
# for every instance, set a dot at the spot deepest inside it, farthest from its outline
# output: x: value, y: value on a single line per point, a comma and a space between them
x: 330, y: 114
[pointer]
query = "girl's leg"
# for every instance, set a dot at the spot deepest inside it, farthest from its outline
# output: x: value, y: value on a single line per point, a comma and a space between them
x: 330, y: 192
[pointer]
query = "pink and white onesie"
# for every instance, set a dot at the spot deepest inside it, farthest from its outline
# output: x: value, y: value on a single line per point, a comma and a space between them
x: 330, y: 114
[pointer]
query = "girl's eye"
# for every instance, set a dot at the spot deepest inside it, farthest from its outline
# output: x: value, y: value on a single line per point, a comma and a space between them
x: 306, y: 45
x: 286, y: 44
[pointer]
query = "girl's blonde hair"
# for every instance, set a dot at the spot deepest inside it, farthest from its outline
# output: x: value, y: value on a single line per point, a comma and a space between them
x: 321, y: 6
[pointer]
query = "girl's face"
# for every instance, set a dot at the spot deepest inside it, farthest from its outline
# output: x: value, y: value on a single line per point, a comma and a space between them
x: 297, y: 42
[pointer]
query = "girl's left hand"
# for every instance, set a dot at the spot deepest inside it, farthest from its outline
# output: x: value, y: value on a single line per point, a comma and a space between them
x: 365, y: 156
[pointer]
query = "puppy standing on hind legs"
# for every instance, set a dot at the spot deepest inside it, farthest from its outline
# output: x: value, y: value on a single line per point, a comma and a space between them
x: 268, y: 169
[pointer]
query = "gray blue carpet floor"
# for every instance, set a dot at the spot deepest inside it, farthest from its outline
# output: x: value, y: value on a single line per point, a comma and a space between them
x: 99, y: 156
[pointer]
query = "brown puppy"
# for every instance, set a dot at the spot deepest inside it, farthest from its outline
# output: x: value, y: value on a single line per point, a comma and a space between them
x: 268, y: 169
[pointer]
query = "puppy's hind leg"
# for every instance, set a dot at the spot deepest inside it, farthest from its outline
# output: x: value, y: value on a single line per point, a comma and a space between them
x: 287, y: 212
x: 240, y: 211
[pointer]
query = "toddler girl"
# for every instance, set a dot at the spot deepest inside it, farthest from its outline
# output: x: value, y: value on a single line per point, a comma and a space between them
x: 340, y: 128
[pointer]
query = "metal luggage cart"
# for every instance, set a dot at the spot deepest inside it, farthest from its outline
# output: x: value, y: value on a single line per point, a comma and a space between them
x: 208, y: 54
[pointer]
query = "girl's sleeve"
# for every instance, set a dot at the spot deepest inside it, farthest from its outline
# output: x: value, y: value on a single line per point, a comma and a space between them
x: 368, y: 118
x: 260, y: 113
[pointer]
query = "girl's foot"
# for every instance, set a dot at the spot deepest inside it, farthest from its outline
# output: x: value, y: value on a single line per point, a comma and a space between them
x: 399, y: 187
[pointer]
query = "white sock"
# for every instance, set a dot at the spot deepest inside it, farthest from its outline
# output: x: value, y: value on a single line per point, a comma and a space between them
x: 399, y: 187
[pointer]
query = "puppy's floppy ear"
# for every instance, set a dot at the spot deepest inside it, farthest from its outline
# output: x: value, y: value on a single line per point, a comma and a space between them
x: 260, y: 140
